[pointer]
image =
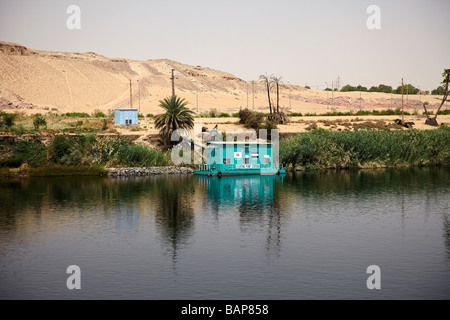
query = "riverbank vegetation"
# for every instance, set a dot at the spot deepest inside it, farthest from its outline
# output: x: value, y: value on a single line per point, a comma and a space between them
x: 77, y: 155
x: 321, y: 149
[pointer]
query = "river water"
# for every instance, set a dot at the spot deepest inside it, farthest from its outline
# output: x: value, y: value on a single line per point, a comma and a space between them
x: 302, y: 236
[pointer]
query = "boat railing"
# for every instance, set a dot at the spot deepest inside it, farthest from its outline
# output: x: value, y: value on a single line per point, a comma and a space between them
x: 232, y: 167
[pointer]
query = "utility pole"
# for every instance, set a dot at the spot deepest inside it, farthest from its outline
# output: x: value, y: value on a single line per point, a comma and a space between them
x: 139, y: 86
x: 173, y: 83
x: 391, y: 99
x: 131, y: 97
x: 332, y: 94
x: 290, y: 106
x: 326, y: 89
x: 403, y: 117
x: 247, y: 93
x: 420, y: 96
x: 196, y: 93
x: 360, y: 98
x: 407, y: 95
x: 253, y: 94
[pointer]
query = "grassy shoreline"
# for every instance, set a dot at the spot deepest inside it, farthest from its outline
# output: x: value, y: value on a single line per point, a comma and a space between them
x: 86, y: 171
x: 321, y: 149
x: 53, y: 171
x: 315, y: 150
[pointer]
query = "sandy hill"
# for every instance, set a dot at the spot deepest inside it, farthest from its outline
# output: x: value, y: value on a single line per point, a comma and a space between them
x: 36, y: 81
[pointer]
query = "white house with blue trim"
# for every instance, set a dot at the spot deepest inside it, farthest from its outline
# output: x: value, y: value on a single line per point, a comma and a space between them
x: 125, y: 116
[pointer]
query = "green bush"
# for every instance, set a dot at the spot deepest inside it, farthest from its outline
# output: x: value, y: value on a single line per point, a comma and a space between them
x: 381, y: 88
x: 325, y: 149
x: 244, y: 115
x: 213, y: 113
x: 251, y: 119
x: 60, y: 149
x: 122, y: 152
x: 104, y: 124
x: 387, y: 112
x: 38, y: 121
x: 70, y: 151
x: 438, y: 91
x: 98, y: 114
x: 76, y: 114
x: 348, y: 88
x: 407, y: 89
x: 30, y: 152
x: 255, y: 121
x: 19, y: 130
x: 7, y: 119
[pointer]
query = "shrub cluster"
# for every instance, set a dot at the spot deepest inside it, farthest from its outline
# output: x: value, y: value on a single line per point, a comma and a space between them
x: 213, y: 113
x: 80, y: 151
x: 113, y: 152
x: 256, y: 120
x: 325, y: 149
x: 7, y: 119
x: 386, y: 112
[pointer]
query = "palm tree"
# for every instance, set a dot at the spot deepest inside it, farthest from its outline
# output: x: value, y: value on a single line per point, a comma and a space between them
x: 267, y: 78
x: 177, y: 116
x: 277, y: 81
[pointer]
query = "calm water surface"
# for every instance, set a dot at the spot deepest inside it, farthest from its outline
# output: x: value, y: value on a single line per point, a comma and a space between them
x: 303, y: 236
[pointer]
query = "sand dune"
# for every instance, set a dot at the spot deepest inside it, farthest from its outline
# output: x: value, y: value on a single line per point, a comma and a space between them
x: 39, y: 81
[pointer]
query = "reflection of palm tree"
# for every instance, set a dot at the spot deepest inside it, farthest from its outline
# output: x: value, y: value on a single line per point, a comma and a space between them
x: 446, y: 226
x: 174, y: 211
x: 275, y: 221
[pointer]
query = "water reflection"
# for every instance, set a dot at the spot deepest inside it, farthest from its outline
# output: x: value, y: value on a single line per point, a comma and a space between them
x: 257, y: 200
x: 263, y: 203
x: 259, y: 237
x: 174, y: 211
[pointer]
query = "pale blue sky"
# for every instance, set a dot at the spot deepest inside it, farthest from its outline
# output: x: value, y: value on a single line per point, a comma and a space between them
x: 306, y: 42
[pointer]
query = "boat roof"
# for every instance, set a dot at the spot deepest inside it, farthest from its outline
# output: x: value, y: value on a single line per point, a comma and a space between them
x: 238, y: 142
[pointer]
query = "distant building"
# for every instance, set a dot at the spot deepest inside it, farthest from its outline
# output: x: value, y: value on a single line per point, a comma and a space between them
x: 125, y: 116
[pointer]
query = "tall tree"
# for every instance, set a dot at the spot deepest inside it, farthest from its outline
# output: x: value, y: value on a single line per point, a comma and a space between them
x: 444, y: 84
x: 266, y: 79
x: 277, y: 81
x: 177, y: 116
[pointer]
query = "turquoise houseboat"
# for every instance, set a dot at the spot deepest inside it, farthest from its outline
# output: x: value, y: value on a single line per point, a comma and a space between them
x: 239, y: 158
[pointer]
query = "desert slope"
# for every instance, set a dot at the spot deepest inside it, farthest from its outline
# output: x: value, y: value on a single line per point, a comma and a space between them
x: 38, y: 81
